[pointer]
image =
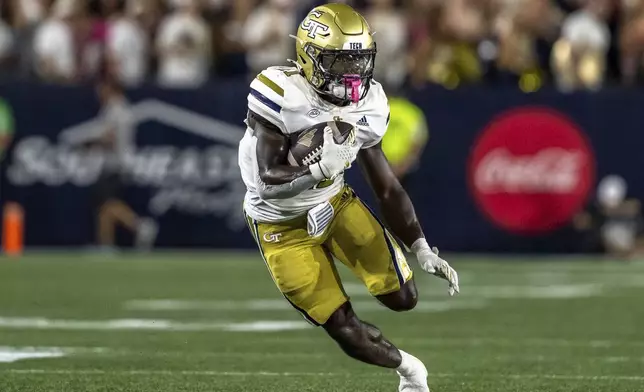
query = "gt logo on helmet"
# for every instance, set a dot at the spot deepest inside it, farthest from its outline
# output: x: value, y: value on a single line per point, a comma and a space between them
x: 313, y: 26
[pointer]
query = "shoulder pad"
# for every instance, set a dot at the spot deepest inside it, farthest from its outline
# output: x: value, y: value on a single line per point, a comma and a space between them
x: 376, y: 108
x: 266, y: 96
x: 276, y: 91
x: 377, y: 97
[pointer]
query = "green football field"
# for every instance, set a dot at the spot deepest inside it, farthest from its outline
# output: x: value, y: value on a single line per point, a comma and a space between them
x: 214, y: 322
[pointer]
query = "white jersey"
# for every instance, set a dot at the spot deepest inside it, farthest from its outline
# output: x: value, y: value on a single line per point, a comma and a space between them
x: 285, y: 98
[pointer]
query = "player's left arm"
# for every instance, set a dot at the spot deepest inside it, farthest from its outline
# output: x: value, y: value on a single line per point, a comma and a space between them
x: 398, y: 212
x: 396, y: 206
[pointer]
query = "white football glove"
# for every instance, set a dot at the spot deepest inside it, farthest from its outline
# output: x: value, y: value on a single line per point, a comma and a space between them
x: 334, y: 159
x: 430, y: 262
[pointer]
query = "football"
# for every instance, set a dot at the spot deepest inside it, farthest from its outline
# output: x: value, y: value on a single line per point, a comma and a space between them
x: 306, y: 145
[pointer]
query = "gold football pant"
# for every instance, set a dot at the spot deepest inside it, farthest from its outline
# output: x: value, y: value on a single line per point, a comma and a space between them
x: 303, y: 269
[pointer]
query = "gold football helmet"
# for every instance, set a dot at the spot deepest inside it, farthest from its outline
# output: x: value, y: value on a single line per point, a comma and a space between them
x: 336, y: 53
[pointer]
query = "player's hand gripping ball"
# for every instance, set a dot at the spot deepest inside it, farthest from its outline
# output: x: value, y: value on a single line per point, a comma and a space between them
x: 306, y: 145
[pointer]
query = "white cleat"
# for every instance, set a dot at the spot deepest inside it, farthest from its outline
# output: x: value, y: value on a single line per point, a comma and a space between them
x: 414, y: 378
x: 416, y: 383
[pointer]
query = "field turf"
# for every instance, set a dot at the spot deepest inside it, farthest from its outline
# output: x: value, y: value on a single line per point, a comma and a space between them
x: 172, y: 322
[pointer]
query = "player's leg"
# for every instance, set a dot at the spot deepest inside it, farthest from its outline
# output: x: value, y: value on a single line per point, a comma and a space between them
x: 401, y: 300
x: 364, y: 245
x: 364, y: 341
x: 302, y: 269
x: 304, y: 272
x: 361, y: 340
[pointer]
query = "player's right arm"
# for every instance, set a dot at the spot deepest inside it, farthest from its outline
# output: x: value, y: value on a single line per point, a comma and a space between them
x: 272, y: 149
x: 278, y: 179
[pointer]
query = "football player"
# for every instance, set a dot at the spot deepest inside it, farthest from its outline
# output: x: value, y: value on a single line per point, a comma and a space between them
x: 303, y: 216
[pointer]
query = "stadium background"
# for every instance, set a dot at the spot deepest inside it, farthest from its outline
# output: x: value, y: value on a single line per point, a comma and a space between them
x: 516, y: 151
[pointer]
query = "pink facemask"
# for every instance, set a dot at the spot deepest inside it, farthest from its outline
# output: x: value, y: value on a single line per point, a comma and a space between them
x: 353, y: 83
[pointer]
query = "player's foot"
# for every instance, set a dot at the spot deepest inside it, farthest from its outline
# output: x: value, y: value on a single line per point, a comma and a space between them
x: 413, y: 374
x: 146, y: 234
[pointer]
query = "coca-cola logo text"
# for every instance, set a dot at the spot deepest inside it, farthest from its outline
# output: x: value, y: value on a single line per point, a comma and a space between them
x: 553, y: 170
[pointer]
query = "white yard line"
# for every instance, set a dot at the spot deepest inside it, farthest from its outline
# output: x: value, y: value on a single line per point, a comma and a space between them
x: 273, y: 305
x: 209, y: 373
x: 148, y: 324
x: 605, y: 377
x: 65, y: 349
x: 21, y: 352
x: 465, y: 342
x: 27, y: 352
x: 171, y: 373
x: 550, y: 291
x: 10, y: 354
x: 14, y: 354
x: 214, y: 305
x: 518, y: 342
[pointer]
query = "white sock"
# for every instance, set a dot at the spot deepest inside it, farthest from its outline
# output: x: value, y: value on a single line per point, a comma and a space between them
x: 409, y: 364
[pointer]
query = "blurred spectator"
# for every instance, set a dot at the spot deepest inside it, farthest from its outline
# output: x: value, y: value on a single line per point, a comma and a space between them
x: 632, y: 39
x: 465, y: 24
x: 449, y: 42
x: 447, y: 33
x: 127, y: 45
x: 6, y: 43
x: 184, y: 46
x: 579, y: 57
x: 391, y: 60
x: 25, y: 15
x: 65, y: 44
x: 214, y: 7
x: 54, y: 46
x: 229, y: 27
x: 90, y: 33
x: 419, y: 27
x: 613, y: 224
x: 150, y: 16
x: 266, y: 34
x: 108, y: 9
x: 28, y: 12
x: 465, y: 20
x: 518, y: 25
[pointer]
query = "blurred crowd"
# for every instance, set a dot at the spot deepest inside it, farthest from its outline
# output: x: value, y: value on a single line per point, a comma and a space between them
x: 574, y: 44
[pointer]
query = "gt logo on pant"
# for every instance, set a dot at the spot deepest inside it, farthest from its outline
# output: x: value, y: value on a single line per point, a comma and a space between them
x: 272, y: 238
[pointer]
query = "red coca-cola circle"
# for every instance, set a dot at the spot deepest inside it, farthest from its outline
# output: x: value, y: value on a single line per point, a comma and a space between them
x: 531, y: 170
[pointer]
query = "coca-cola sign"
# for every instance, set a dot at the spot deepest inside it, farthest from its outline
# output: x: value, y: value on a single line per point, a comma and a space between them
x: 531, y: 170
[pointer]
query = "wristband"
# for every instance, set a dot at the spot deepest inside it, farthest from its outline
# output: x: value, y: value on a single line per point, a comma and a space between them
x: 419, y: 245
x: 316, y: 171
